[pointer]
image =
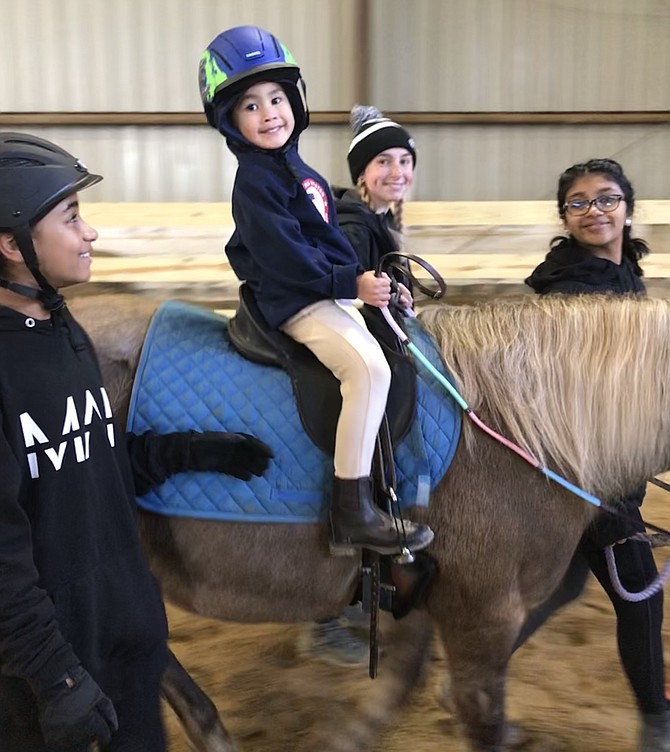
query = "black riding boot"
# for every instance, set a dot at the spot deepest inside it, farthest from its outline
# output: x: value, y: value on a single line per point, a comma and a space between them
x: 357, y: 522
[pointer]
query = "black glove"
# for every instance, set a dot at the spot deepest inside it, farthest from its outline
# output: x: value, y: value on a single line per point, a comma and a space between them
x: 75, y: 711
x: 607, y: 529
x: 237, y: 454
x: 155, y: 457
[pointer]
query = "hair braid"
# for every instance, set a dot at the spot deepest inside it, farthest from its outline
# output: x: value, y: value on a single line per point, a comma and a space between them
x: 398, y: 213
x: 363, y: 192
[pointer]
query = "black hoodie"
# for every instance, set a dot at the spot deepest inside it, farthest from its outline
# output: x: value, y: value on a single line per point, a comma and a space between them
x: 74, y: 583
x: 370, y: 233
x: 568, y: 268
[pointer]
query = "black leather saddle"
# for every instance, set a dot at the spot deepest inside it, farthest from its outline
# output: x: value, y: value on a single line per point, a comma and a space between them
x: 316, y: 390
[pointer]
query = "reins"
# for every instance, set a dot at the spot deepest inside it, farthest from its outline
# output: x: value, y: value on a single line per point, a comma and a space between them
x: 574, y: 489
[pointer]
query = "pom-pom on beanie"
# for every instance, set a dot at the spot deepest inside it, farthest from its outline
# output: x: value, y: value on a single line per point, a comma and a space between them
x: 373, y: 133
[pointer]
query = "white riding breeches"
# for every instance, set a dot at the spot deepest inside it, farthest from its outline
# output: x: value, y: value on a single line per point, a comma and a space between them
x: 336, y: 333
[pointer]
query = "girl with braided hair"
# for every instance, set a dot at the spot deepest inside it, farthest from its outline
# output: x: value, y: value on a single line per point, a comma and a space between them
x: 381, y: 159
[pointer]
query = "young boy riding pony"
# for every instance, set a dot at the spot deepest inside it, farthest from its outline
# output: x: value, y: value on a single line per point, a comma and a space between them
x: 303, y: 273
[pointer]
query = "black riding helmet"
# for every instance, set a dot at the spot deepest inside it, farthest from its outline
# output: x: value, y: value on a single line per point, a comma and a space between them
x: 239, y: 58
x: 35, y: 175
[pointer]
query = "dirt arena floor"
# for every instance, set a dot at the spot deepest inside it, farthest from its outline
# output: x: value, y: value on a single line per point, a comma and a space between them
x: 566, y: 686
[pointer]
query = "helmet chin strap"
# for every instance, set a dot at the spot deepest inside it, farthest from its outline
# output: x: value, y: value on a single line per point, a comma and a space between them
x: 27, y: 292
x: 50, y: 298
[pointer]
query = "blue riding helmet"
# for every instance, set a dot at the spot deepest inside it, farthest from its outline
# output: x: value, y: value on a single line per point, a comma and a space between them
x: 242, y: 56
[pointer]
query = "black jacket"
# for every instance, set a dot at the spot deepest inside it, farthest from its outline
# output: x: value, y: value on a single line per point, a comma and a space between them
x: 370, y: 234
x: 74, y: 583
x: 568, y: 268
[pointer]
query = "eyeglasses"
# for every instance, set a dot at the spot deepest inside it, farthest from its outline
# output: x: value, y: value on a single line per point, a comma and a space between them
x: 583, y: 206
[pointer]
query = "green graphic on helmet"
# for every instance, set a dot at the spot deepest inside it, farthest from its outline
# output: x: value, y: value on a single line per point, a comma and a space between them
x: 211, y: 76
x: 288, y: 57
x: 239, y: 57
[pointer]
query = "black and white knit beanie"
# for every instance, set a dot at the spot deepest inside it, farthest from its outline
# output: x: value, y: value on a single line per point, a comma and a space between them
x: 373, y: 133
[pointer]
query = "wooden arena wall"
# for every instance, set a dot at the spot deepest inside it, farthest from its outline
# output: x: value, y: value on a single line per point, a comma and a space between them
x: 481, y: 248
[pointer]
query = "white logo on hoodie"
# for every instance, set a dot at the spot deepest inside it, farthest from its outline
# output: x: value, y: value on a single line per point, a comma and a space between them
x: 74, y: 436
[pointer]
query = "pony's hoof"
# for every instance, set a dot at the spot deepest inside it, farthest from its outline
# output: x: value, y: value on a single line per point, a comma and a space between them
x: 514, y: 736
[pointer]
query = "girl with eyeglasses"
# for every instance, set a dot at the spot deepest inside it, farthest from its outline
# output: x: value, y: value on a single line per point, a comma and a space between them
x: 595, y: 202
x: 599, y: 255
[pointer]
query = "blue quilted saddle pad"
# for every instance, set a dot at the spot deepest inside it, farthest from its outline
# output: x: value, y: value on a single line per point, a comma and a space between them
x: 190, y: 377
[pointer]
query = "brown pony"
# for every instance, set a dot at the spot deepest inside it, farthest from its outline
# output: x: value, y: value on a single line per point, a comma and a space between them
x: 580, y: 383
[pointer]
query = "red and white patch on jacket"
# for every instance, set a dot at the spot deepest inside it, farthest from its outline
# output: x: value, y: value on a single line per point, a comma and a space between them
x: 315, y: 191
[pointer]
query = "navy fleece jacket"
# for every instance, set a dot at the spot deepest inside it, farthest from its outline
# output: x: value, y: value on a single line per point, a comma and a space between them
x: 287, y: 244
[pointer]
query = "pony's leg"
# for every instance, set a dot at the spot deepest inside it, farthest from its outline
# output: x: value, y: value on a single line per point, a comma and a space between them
x: 504, y: 538
x: 196, y: 712
x: 477, y: 682
x: 372, y: 706
x: 478, y: 628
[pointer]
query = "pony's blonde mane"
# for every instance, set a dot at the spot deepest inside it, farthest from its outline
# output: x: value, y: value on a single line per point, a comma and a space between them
x: 580, y: 382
